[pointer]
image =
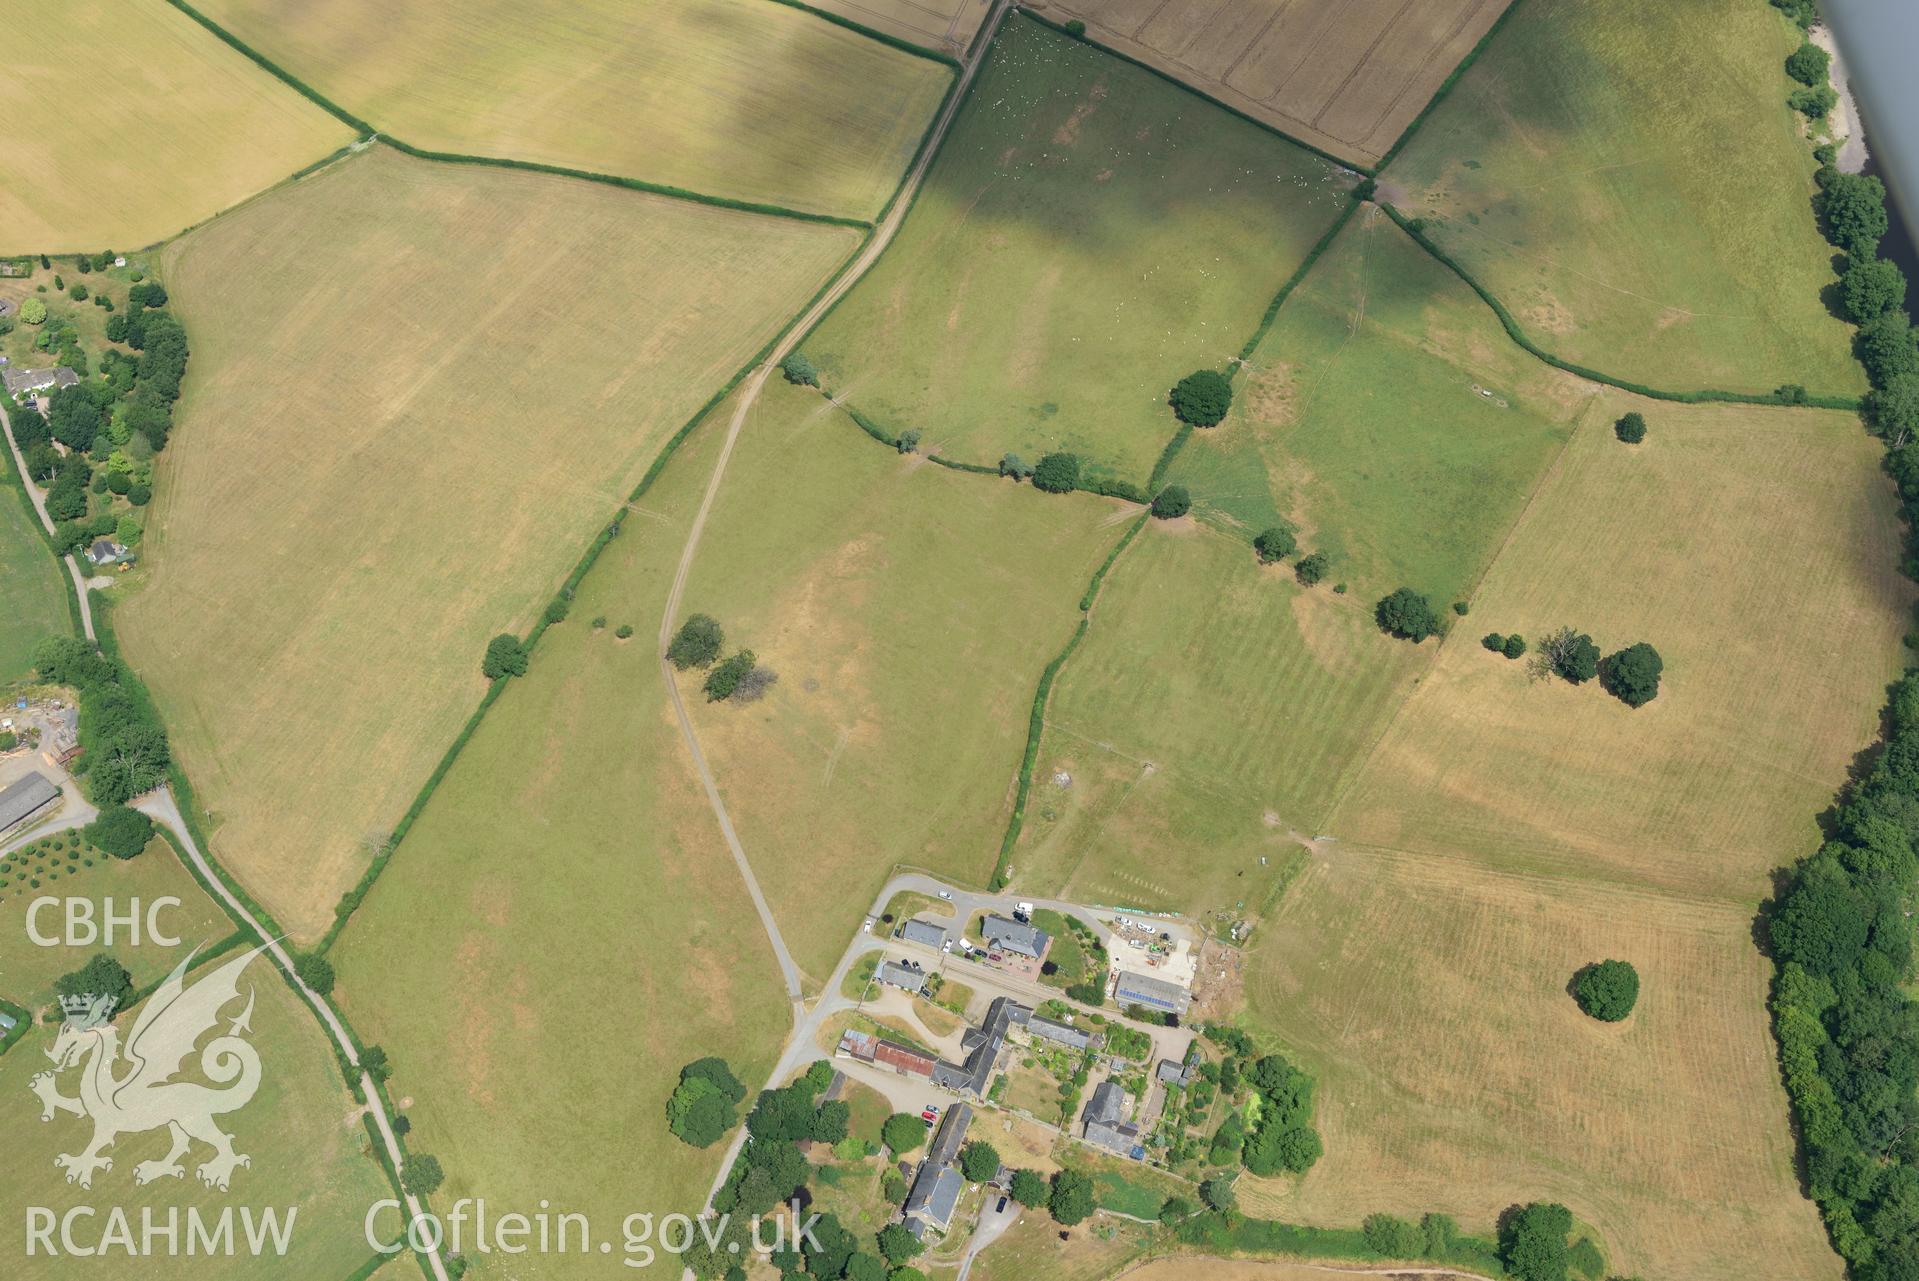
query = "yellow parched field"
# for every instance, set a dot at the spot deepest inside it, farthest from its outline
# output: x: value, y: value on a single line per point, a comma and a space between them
x: 1756, y: 550
x: 126, y: 122
x: 1428, y: 995
x: 1347, y: 76
x: 947, y: 26
x: 417, y: 390
x: 756, y: 101
x: 908, y: 611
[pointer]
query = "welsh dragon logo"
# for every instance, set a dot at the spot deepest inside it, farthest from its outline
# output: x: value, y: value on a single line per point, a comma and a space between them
x: 131, y: 1089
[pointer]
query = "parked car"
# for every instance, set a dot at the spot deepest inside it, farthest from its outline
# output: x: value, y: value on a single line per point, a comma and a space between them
x: 1001, y: 1207
x: 947, y: 895
x: 867, y: 926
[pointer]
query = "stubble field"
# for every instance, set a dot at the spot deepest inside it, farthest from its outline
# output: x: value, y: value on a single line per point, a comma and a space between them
x: 755, y: 101
x: 416, y: 392
x: 1628, y: 180
x: 1088, y: 236
x: 947, y: 26
x: 1346, y: 77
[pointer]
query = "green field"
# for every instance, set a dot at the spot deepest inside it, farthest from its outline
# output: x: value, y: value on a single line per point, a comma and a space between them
x: 1628, y: 180
x: 417, y: 391
x: 568, y: 902
x: 1387, y: 420
x: 302, y: 1131
x: 1089, y: 235
x: 908, y: 611
x: 28, y: 971
x: 127, y: 122
x: 1161, y: 809
x: 29, y: 583
x: 753, y: 101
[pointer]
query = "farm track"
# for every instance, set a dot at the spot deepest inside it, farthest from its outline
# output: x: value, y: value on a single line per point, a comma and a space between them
x: 882, y: 236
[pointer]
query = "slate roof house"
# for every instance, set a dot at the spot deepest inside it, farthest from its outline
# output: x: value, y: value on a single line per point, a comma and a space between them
x: 1014, y: 936
x: 1060, y: 1033
x: 902, y: 977
x: 1103, y: 1124
x: 937, y: 1187
x: 981, y: 1045
x: 923, y: 932
x: 19, y: 380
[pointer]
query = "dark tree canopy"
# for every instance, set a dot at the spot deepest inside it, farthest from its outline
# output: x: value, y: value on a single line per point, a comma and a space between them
x: 979, y: 1161
x: 1311, y: 569
x: 697, y: 643
x: 800, y: 371
x: 1607, y: 990
x: 120, y: 831
x: 1895, y: 407
x: 505, y: 656
x: 1631, y: 427
x: 1853, y: 207
x: 1071, y: 1201
x: 102, y: 976
x: 1203, y: 397
x: 1885, y: 347
x: 1632, y: 675
x: 725, y: 678
x: 1029, y: 1188
x: 1515, y: 646
x: 1274, y: 544
x: 902, y: 1133
x: 1172, y: 502
x: 1407, y: 615
x: 1570, y: 655
x: 1533, y: 1242
x: 1871, y: 287
x: 1057, y: 473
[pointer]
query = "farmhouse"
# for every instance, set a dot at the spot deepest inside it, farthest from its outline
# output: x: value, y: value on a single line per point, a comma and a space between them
x: 1103, y: 1124
x: 907, y: 978
x: 937, y: 1187
x: 1014, y: 936
x: 25, y: 799
x: 1153, y: 993
x: 981, y: 1046
x: 1061, y: 1033
x: 923, y: 932
x: 25, y: 380
x: 105, y: 551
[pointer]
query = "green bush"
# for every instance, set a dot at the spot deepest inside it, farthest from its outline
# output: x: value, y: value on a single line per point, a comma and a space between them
x: 1057, y: 473
x: 33, y: 312
x: 1631, y: 427
x: 120, y: 831
x: 557, y: 610
x: 1533, y: 1242
x: 1494, y: 642
x: 1075, y: 28
x: 1015, y: 466
x: 1071, y: 1201
x: 1515, y: 646
x: 421, y: 1175
x: 1311, y: 569
x: 697, y: 643
x: 505, y: 656
x: 315, y: 971
x: 725, y: 678
x: 1202, y: 397
x: 1814, y: 104
x: 902, y: 1133
x: 1172, y: 502
x: 1392, y: 1237
x: 1274, y: 545
x: 1632, y: 674
x: 624, y: 631
x: 1607, y: 990
x: 800, y: 371
x: 1407, y: 615
x: 1807, y: 64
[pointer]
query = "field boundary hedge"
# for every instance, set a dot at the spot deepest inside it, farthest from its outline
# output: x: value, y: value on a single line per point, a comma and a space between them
x: 1036, y: 719
x: 898, y: 42
x: 1293, y: 282
x: 1446, y: 86
x: 1518, y: 335
x: 1199, y: 93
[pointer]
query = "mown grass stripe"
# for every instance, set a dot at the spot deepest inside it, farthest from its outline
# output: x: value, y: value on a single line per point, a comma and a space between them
x: 1518, y: 335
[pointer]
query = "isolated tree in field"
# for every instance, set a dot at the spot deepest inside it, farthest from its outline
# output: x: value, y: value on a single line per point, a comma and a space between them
x: 1532, y: 1244
x: 1494, y: 641
x: 1607, y: 990
x: 1071, y: 1201
x: 902, y: 1133
x: 1057, y: 473
x: 725, y: 678
x: 1807, y: 64
x: 1871, y: 287
x: 697, y: 643
x: 1632, y: 675
x: 33, y: 312
x: 421, y: 1175
x: 1567, y: 654
x: 1030, y: 1189
x: 800, y: 371
x: 1274, y: 544
x: 1202, y: 397
x: 1853, y: 208
x: 102, y: 976
x: 1172, y: 502
x: 1407, y: 615
x: 505, y: 656
x: 1631, y: 427
x: 705, y: 1103
x: 1515, y: 646
x: 120, y: 831
x: 1311, y: 569
x: 979, y: 1161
